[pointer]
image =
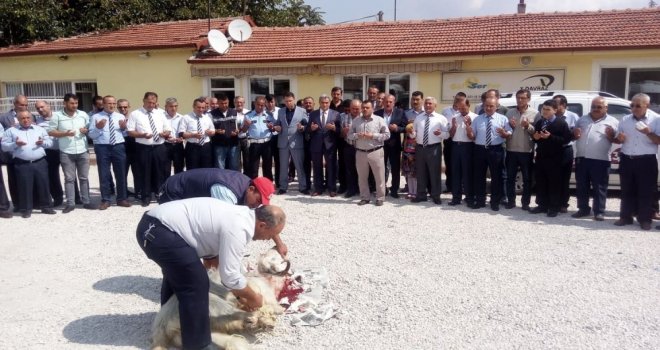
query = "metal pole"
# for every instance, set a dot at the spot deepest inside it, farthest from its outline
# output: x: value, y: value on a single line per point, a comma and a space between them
x: 395, y: 10
x: 209, y: 15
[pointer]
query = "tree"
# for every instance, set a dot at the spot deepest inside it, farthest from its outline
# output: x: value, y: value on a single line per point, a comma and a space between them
x: 23, y: 21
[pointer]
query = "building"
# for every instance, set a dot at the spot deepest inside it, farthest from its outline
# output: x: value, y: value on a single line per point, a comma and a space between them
x: 615, y: 51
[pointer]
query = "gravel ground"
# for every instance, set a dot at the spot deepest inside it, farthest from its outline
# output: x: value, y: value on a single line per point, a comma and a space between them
x: 404, y: 276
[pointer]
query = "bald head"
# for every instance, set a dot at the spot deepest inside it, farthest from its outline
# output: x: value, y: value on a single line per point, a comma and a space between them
x: 270, y: 220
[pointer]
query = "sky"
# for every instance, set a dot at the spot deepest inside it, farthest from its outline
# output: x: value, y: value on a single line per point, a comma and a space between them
x: 346, y: 10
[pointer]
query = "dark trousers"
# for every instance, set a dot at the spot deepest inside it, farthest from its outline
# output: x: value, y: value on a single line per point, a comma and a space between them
x: 260, y: 153
x: 4, y: 199
x: 131, y: 163
x: 244, y: 148
x: 325, y: 176
x: 462, y: 163
x: 491, y: 158
x: 107, y: 157
x: 548, y: 183
x: 341, y: 165
x: 175, y: 157
x: 351, y: 171
x: 565, y: 175
x: 151, y: 161
x: 276, y: 159
x: 592, y: 177
x: 199, y: 156
x: 11, y: 179
x: 522, y: 161
x: 639, y: 176
x: 183, y: 275
x: 393, y: 165
x: 54, y: 179
x: 428, y: 162
x: 447, y: 145
x: 32, y: 178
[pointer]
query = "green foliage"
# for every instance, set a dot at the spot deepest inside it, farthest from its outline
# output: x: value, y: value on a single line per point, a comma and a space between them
x: 24, y: 21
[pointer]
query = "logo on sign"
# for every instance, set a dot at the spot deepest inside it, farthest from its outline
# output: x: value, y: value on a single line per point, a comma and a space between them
x: 544, y: 82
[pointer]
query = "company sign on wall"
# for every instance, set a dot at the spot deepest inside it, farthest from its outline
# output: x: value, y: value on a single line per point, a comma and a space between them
x: 476, y: 83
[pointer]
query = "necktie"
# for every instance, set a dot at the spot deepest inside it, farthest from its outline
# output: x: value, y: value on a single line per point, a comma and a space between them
x: 427, y: 125
x: 545, y: 125
x: 154, y: 131
x: 111, y: 127
x: 199, y: 130
x: 323, y: 118
x: 489, y: 132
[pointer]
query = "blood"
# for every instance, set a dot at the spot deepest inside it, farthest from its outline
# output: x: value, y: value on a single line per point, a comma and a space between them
x: 290, y: 291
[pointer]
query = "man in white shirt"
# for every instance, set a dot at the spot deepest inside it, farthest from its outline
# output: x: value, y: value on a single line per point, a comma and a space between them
x: 197, y: 128
x: 447, y: 143
x: 244, y: 145
x: 174, y: 144
x: 430, y: 129
x: 461, y: 158
x: 176, y: 235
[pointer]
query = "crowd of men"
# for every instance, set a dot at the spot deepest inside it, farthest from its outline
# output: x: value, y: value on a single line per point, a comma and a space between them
x: 343, y: 147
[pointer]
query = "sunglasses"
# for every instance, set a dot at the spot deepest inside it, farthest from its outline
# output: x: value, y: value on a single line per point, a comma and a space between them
x: 632, y: 105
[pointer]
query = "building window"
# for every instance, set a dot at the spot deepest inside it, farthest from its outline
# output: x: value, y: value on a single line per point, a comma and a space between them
x: 225, y: 86
x: 261, y: 86
x: 628, y: 81
x: 51, y: 91
x: 355, y: 86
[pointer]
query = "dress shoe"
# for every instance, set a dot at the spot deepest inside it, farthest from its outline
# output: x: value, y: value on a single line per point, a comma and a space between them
x: 144, y: 204
x: 437, y: 200
x: 645, y: 226
x: 478, y: 206
x: 580, y: 214
x: 394, y: 194
x: 104, y: 205
x: 552, y: 214
x: 510, y: 205
x: 495, y: 207
x: 363, y: 202
x: 48, y: 211
x: 525, y: 207
x: 68, y: 209
x: 341, y: 191
x: 314, y: 194
x: 419, y: 199
x: 349, y: 194
x: 379, y: 203
x: 78, y: 202
x: 453, y: 203
x: 305, y: 192
x: 90, y: 206
x: 599, y: 217
x: 332, y: 194
x: 563, y: 210
x: 281, y: 191
x: 26, y: 214
x: 538, y: 210
x: 6, y: 214
x: 124, y: 203
x: 623, y: 222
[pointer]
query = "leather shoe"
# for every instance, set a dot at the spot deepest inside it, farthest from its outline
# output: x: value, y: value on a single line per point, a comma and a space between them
x: 349, y: 194
x: 580, y: 214
x: 419, y: 199
x: 453, y: 203
x: 477, y: 206
x: 48, y: 211
x: 495, y: 207
x: 90, y: 206
x: 437, y: 200
x: 104, y: 205
x: 599, y: 217
x: 281, y: 192
x: 537, y: 210
x: 623, y: 222
x: 26, y: 214
x: 305, y: 192
x: 525, y: 207
x: 394, y: 194
x: 314, y: 194
x: 145, y: 204
x: 645, y: 226
x: 68, y: 209
x: 379, y: 203
x: 6, y: 214
x: 510, y: 205
x: 124, y: 203
x: 363, y: 202
x: 552, y: 214
x: 332, y: 194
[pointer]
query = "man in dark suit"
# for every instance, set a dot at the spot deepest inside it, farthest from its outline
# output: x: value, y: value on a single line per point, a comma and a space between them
x: 396, y: 121
x: 290, y: 125
x: 324, y: 123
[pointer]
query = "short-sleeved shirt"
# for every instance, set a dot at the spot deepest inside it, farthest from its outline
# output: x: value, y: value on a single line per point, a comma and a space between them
x: 637, y: 143
x: 593, y: 142
x: 61, y: 121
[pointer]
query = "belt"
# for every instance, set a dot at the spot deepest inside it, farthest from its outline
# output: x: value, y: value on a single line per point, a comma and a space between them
x: 259, y: 140
x: 429, y: 145
x: 23, y: 161
x: 638, y: 156
x: 464, y: 142
x: 499, y: 145
x: 369, y: 150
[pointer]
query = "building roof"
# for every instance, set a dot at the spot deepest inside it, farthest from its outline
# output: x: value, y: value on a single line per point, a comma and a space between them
x: 516, y: 33
x: 164, y: 35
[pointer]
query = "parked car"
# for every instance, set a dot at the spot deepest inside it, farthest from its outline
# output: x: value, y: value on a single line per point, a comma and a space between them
x: 579, y: 102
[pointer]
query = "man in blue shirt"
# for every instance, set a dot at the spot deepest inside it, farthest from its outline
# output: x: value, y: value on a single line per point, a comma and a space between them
x: 258, y: 124
x: 27, y: 144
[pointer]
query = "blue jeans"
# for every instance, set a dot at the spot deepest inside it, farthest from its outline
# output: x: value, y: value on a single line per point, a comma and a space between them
x: 592, y: 177
x: 108, y: 156
x: 226, y: 157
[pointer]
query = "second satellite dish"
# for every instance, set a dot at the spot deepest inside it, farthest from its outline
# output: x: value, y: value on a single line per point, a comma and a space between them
x: 218, y: 41
x: 239, y: 30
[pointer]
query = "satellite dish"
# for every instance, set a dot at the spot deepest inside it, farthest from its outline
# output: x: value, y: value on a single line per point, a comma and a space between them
x: 239, y: 30
x: 218, y: 41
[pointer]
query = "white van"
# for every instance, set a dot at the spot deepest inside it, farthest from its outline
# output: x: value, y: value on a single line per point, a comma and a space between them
x: 579, y: 102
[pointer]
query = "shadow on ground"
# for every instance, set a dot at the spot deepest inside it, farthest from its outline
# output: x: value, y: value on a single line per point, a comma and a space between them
x: 146, y: 287
x: 115, y: 330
